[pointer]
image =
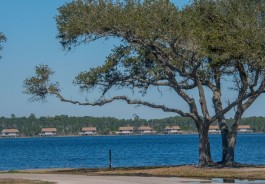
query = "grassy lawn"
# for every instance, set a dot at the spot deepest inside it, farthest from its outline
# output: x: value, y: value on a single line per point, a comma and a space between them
x: 20, y: 181
x: 178, y: 171
x: 189, y: 171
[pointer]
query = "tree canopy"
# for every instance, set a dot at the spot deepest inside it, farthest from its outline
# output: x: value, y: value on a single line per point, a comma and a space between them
x: 197, y: 48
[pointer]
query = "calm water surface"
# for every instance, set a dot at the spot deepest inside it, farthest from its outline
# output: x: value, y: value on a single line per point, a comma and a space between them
x: 91, y: 152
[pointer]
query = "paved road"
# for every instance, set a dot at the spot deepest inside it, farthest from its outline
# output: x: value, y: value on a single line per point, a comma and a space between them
x: 81, y: 179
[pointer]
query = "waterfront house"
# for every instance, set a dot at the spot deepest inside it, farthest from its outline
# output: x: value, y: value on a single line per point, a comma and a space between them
x: 88, y: 131
x: 125, y: 130
x: 146, y: 130
x: 172, y: 130
x: 48, y: 132
x: 244, y: 129
x: 12, y: 132
x: 214, y: 129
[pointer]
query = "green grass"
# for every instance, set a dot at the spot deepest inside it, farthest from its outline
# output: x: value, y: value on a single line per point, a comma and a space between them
x: 188, y: 171
x: 178, y: 171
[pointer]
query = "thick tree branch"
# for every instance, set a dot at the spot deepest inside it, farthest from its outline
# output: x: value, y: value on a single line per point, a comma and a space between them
x: 251, y: 95
x: 255, y: 81
x: 244, y: 79
x: 202, y: 98
x: 181, y: 93
x: 102, y: 102
x: 162, y: 59
x: 250, y: 101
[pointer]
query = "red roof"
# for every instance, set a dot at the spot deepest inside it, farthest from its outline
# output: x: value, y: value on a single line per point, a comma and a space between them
x: 89, y: 129
x: 144, y: 128
x: 48, y: 130
x: 126, y: 128
x: 172, y: 127
x: 243, y: 127
x: 10, y: 130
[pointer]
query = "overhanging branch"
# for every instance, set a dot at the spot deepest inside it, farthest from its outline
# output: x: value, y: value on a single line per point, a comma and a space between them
x: 102, y: 102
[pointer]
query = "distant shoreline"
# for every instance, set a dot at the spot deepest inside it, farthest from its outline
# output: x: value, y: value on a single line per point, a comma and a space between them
x: 110, y: 135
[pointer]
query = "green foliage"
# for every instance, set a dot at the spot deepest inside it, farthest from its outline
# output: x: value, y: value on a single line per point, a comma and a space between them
x: 206, y: 33
x: 230, y: 29
x: 84, y: 21
x: 40, y: 85
x: 131, y: 64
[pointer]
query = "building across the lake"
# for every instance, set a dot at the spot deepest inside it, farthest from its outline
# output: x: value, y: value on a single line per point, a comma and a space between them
x: 128, y: 130
x: 146, y: 130
x: 45, y: 132
x: 88, y: 131
x: 214, y: 129
x: 11, y: 132
x: 244, y: 129
x: 172, y: 130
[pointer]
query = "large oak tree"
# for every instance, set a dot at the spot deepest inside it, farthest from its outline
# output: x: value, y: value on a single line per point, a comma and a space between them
x: 162, y: 46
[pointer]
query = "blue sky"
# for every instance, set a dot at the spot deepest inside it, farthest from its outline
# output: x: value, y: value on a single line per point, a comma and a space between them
x: 31, y: 31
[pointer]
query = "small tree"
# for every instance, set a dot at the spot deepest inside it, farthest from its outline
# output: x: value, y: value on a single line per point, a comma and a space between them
x: 159, y: 47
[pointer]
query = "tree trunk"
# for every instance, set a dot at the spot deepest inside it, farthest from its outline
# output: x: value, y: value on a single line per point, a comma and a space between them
x: 229, y: 143
x: 204, y: 146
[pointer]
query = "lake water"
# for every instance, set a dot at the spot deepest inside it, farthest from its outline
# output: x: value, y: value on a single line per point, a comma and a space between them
x: 93, y: 152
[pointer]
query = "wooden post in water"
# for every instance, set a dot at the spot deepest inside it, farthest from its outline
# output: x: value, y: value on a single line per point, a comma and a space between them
x: 110, y: 161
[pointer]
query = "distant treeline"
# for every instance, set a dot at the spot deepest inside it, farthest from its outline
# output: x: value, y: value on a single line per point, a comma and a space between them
x: 66, y: 125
